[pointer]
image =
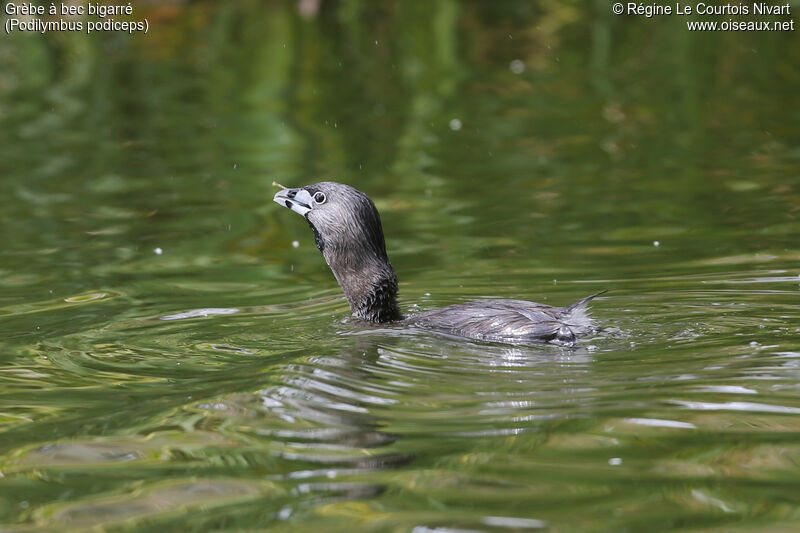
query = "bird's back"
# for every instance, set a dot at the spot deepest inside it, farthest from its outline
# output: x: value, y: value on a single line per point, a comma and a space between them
x: 510, y: 321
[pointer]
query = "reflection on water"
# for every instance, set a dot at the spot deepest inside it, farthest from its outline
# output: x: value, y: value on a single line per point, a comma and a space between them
x: 175, y: 355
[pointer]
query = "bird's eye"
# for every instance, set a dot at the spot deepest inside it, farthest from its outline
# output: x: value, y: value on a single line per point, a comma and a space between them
x: 319, y: 197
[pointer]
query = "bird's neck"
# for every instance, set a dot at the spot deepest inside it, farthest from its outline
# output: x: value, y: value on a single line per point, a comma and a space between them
x: 369, y: 284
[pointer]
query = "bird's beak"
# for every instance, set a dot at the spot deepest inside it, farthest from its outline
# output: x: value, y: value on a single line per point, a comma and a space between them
x: 298, y: 200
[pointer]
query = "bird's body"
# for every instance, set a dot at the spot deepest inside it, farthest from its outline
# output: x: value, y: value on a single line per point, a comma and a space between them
x: 510, y: 321
x: 348, y: 232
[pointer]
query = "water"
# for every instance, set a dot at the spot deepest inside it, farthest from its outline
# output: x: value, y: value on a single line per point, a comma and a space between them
x: 171, y: 359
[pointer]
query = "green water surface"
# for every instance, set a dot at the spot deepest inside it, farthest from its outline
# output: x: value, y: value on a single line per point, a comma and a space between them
x: 176, y: 356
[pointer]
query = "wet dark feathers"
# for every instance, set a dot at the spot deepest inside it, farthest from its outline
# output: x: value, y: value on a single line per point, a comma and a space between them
x: 509, y: 321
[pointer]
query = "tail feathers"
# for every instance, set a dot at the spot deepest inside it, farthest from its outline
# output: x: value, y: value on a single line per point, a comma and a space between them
x: 581, y: 304
x: 577, y: 316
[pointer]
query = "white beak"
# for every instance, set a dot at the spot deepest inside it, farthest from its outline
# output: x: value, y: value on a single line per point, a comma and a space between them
x: 298, y: 200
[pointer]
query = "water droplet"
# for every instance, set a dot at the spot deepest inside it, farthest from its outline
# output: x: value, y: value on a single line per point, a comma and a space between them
x: 517, y: 66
